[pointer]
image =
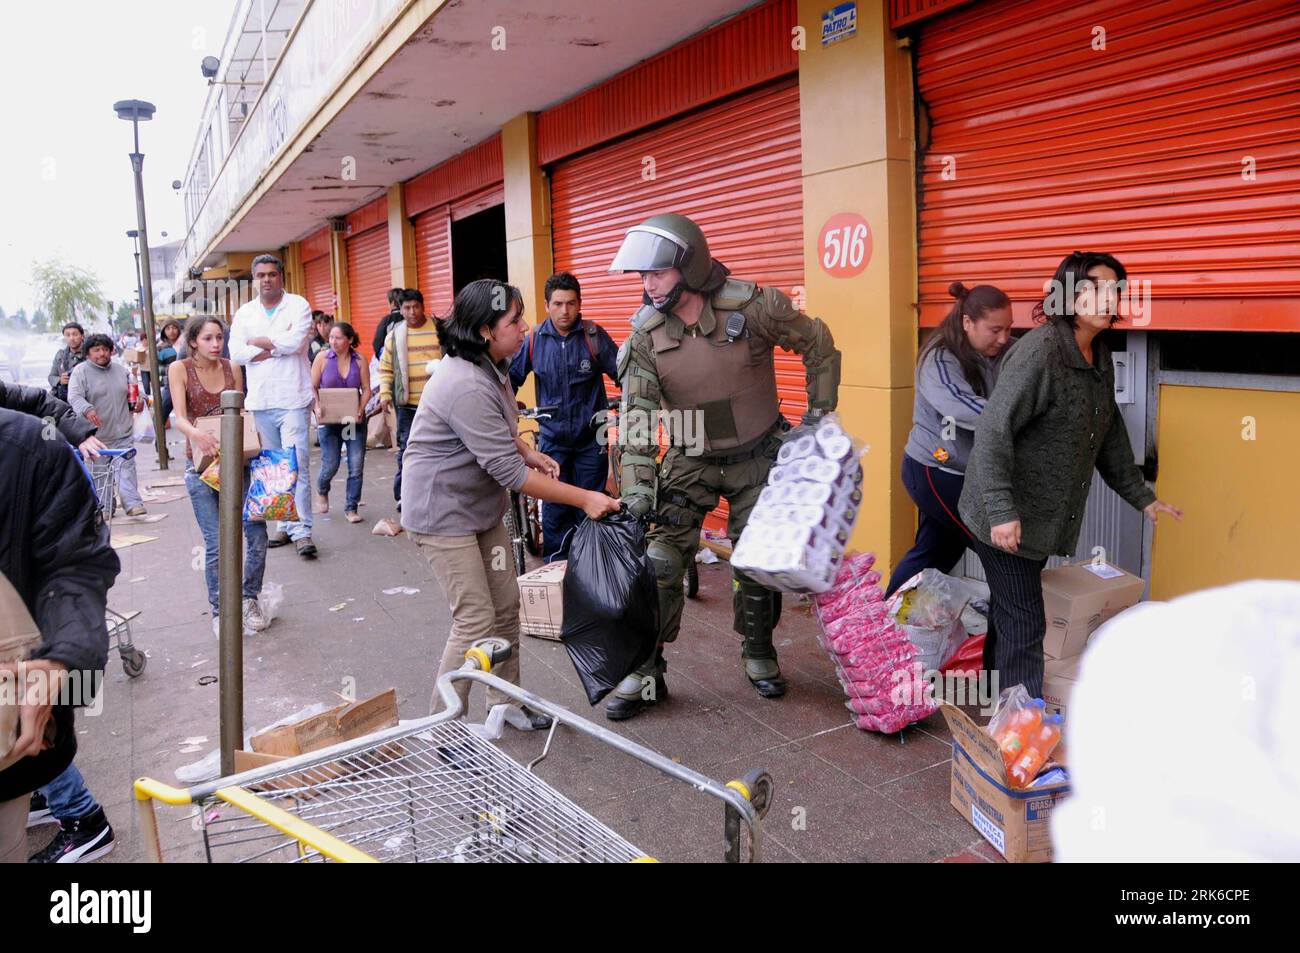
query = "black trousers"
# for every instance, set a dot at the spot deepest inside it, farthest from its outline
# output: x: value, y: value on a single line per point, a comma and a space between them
x: 941, y: 538
x: 1017, y: 621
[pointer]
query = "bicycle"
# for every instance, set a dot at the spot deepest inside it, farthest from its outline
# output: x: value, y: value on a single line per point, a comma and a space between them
x: 609, y: 422
x: 103, y: 474
x: 523, y: 519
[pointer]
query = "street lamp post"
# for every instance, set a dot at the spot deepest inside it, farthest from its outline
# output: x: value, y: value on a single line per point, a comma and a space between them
x: 137, y: 111
x: 134, y: 235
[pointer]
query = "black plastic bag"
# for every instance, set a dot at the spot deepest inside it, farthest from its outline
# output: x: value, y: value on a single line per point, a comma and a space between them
x: 611, y: 602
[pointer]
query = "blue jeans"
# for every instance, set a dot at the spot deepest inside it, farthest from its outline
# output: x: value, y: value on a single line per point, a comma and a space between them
x: 332, y: 440
x: 204, y: 500
x: 405, y: 417
x: 67, y: 796
x: 288, y: 428
x: 585, y: 467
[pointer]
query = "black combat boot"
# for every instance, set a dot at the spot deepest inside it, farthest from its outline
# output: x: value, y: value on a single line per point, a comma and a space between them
x: 757, y: 610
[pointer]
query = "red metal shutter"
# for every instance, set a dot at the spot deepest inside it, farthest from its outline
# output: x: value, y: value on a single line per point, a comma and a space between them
x: 320, y: 284
x: 433, y: 259
x: 368, y: 277
x: 734, y: 168
x: 1042, y: 143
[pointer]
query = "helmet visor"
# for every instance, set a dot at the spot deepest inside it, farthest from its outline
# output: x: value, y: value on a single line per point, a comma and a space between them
x: 645, y: 251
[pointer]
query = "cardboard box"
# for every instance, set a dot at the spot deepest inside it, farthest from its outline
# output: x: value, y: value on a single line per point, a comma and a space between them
x: 338, y: 405
x: 346, y: 722
x: 1059, y: 676
x: 541, y: 601
x: 134, y: 355
x: 340, y: 723
x: 212, y: 425
x: 1078, y: 599
x: 1017, y: 823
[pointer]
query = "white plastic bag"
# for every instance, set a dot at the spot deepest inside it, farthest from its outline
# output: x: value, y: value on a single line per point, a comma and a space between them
x: 270, y: 600
x: 142, y: 427
x: 928, y: 607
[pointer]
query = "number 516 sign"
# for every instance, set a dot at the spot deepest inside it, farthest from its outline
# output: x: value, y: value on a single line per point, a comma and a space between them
x: 844, y: 246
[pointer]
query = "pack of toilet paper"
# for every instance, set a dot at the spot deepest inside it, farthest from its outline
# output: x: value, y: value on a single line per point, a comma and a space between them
x: 798, y: 530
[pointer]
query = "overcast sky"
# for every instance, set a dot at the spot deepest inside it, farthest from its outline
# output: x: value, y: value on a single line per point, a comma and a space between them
x: 65, y: 180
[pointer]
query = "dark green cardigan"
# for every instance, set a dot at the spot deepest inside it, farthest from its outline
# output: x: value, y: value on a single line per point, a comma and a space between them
x: 1051, y: 418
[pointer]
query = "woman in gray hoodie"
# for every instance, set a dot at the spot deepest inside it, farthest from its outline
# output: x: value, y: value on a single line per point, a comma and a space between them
x: 955, y: 373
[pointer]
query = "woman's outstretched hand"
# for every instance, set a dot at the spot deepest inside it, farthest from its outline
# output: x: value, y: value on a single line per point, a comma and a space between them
x: 1158, y: 507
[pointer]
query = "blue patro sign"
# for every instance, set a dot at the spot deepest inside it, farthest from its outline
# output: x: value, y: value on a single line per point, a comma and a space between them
x: 839, y: 23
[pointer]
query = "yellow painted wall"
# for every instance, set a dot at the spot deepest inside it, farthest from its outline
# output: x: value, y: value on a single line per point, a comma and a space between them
x: 401, y: 241
x: 1238, y: 494
x: 529, y: 258
x: 858, y: 156
x: 339, y: 270
x: 295, y: 280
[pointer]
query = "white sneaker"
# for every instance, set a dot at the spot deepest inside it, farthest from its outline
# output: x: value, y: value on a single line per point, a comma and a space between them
x: 254, y: 621
x: 247, y: 628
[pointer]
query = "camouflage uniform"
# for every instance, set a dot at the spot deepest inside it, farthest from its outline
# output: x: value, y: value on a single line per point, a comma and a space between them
x: 717, y: 379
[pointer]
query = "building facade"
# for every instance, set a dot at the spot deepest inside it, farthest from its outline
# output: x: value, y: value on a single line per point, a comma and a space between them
x: 859, y: 156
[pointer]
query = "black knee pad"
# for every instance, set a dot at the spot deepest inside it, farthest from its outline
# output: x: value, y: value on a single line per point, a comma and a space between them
x: 667, y: 561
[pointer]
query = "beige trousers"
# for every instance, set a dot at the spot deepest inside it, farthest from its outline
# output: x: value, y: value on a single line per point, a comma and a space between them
x: 478, y: 577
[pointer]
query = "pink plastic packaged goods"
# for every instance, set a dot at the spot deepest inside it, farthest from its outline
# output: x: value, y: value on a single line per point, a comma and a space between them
x: 876, y: 664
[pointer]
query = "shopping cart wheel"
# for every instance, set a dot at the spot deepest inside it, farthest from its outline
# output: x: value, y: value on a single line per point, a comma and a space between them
x: 493, y: 651
x: 756, y: 786
x: 134, y: 662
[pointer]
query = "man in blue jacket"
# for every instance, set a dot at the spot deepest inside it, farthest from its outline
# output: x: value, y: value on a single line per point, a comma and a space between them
x: 570, y: 356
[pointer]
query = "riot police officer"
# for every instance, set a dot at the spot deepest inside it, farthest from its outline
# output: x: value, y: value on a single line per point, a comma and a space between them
x: 701, y: 349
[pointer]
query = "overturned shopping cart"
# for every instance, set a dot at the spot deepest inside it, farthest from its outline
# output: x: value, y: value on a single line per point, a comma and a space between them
x: 104, y: 471
x: 432, y: 791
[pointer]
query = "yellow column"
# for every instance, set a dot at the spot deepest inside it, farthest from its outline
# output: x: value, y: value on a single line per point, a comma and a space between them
x: 858, y: 156
x: 295, y: 280
x: 339, y: 271
x: 401, y: 241
x: 528, y: 219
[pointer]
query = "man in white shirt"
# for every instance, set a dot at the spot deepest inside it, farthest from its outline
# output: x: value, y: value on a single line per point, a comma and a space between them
x: 269, y: 336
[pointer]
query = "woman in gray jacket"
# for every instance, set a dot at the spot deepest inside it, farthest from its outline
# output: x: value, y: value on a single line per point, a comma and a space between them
x: 1051, y: 420
x: 463, y: 455
x: 955, y: 373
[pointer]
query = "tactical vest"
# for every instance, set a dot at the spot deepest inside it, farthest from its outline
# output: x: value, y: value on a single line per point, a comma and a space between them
x: 730, y: 383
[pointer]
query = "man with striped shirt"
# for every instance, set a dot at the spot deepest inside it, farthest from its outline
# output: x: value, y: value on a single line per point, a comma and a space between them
x: 404, y: 370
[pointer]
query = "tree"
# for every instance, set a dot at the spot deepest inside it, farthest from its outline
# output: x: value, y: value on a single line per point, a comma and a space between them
x: 124, y: 320
x: 66, y: 292
x: 20, y: 319
x: 40, y: 321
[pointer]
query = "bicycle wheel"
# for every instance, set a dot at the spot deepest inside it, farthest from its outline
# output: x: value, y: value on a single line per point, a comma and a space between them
x: 530, y: 522
x: 516, y: 538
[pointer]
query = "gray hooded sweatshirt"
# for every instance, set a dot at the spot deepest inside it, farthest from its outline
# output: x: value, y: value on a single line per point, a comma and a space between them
x: 104, y: 389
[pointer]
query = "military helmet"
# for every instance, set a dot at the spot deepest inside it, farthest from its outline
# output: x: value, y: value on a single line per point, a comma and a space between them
x: 670, y: 241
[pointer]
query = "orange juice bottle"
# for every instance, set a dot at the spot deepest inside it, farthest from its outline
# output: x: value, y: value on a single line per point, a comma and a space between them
x: 1017, y: 731
x: 1038, y: 748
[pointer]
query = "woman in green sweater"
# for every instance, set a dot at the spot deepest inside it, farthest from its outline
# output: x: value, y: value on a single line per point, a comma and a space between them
x: 1049, y: 422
